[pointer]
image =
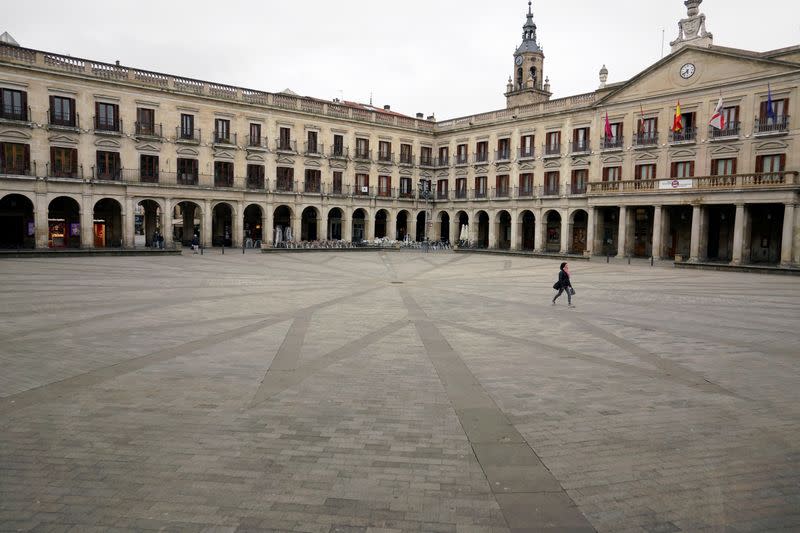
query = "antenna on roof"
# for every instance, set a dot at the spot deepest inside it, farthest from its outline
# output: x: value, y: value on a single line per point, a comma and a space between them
x: 370, y: 98
x: 662, y: 42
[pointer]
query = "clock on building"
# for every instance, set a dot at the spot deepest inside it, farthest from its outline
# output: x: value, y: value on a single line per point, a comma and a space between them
x: 687, y: 71
x: 518, y: 60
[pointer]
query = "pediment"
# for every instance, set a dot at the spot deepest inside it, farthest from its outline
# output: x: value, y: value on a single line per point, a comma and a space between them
x: 15, y: 134
x: 444, y: 175
x: 527, y: 166
x: 406, y: 172
x: 282, y: 159
x: 578, y: 161
x: 104, y: 142
x: 682, y: 153
x: 612, y: 159
x: 62, y: 139
x: 552, y: 163
x: 338, y: 163
x: 481, y: 170
x: 462, y: 172
x: 647, y: 156
x: 771, y: 145
x: 254, y: 156
x: 313, y: 163
x: 425, y: 174
x: 148, y: 147
x: 362, y: 167
x: 384, y: 170
x: 187, y: 151
x: 223, y: 154
x: 503, y: 168
x: 726, y: 149
x: 714, y: 67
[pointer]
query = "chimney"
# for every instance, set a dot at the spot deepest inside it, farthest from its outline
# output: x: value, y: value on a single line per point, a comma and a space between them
x: 387, y: 108
x: 420, y: 115
x: 432, y: 117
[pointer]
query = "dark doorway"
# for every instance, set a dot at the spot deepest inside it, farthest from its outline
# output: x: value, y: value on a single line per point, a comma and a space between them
x: 17, y: 228
x: 308, y: 226
x: 444, y: 232
x: 528, y: 230
x: 107, y: 224
x: 222, y: 225
x: 64, y: 223
x: 380, y: 224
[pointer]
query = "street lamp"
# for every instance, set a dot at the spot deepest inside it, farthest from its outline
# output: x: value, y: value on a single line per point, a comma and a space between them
x: 426, y: 194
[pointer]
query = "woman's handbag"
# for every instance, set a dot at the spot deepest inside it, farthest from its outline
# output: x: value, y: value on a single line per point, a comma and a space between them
x: 557, y: 285
x: 571, y: 291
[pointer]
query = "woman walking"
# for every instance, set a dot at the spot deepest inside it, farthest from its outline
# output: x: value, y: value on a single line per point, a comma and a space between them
x: 564, y: 284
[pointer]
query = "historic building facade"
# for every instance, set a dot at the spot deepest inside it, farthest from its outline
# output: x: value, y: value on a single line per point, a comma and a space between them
x: 97, y: 155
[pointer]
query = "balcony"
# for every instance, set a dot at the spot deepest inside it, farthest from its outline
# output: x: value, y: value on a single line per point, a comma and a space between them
x: 56, y: 121
x: 286, y: 146
x: 384, y: 192
x: 461, y: 160
x: 552, y: 150
x: 442, y: 194
x: 225, y: 138
x: 441, y: 162
x: 772, y: 126
x: 11, y: 169
x: 256, y: 142
x: 187, y: 179
x: 387, y: 158
x: 734, y: 182
x: 645, y: 140
x: 405, y: 193
x: 107, y: 174
x: 339, y: 152
x: 525, y: 192
x: 64, y: 172
x: 147, y: 130
x: 312, y: 186
x: 406, y: 159
x: 13, y: 113
x: 481, y: 158
x: 460, y: 193
x: 187, y: 136
x: 107, y: 127
x: 551, y: 190
x: 426, y: 161
x: 255, y: 183
x: 223, y: 182
x: 526, y: 153
x: 285, y: 185
x: 363, y: 155
x: 336, y: 189
x: 580, y: 147
x: 613, y: 143
x: 481, y: 194
x: 730, y: 131
x: 686, y: 136
x: 578, y: 188
x: 362, y: 190
x: 502, y: 156
x: 501, y: 193
x: 314, y: 149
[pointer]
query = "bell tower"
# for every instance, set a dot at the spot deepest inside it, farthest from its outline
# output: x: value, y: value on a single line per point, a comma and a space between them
x: 527, y: 85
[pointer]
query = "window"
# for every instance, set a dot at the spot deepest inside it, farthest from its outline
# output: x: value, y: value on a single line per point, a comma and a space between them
x: 62, y: 111
x: 580, y: 177
x: 362, y: 184
x: 255, y: 135
x: 338, y: 146
x: 337, y: 182
x: 461, y: 154
x: 13, y: 104
x: 384, y: 151
x: 615, y: 140
x: 64, y: 162
x: 384, y: 186
x: 768, y: 164
x: 15, y: 158
x: 580, y: 139
x: 482, y: 152
x: 444, y: 156
x: 187, y: 172
x: 501, y: 183
x: 526, y: 184
x: 255, y: 177
x: 688, y: 131
x: 108, y: 165
x: 612, y: 173
x: 406, y: 156
x: 504, y: 149
x: 648, y: 131
x: 551, y: 183
x: 148, y: 168
x: 106, y: 117
x: 285, y: 139
x: 779, y: 109
x: 223, y: 174
x: 480, y: 187
x: 362, y: 148
x: 145, y: 121
x: 778, y: 122
x: 222, y: 130
x: 441, y: 189
x: 426, y: 156
x: 313, y: 180
x: 553, y: 146
x: 405, y: 188
x: 461, y: 188
x: 682, y: 169
x: 526, y: 146
x: 645, y: 172
x: 285, y: 179
x: 187, y: 126
x: 723, y: 167
x: 311, y: 144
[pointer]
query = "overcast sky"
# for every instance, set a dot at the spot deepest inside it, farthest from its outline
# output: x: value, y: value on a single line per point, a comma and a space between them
x: 450, y: 57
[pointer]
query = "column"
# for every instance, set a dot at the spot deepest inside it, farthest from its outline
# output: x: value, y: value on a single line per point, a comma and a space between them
x: 658, y: 231
x: 237, y: 223
x: 267, y: 233
x: 540, y: 232
x: 87, y: 222
x: 622, y: 233
x: 347, y: 224
x: 591, y: 230
x: 167, y: 228
x: 788, y: 235
x: 412, y: 226
x: 205, y: 226
x: 697, y: 223
x: 565, y: 233
x: 455, y: 229
x: 516, y: 243
x: 42, y: 227
x: 369, y: 229
x: 188, y: 222
x: 297, y: 226
x: 738, y: 235
x: 494, y: 227
x: 473, y: 227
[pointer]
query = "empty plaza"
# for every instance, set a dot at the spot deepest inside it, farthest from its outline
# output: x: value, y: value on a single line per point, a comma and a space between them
x: 394, y: 391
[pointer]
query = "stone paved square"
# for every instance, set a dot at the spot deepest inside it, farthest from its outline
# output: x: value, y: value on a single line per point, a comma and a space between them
x: 390, y: 392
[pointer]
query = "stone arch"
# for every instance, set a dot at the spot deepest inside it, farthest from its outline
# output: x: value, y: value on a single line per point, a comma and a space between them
x: 381, y: 224
x: 147, y: 220
x: 253, y: 224
x: 552, y: 221
x: 17, y: 221
x: 282, y: 217
x: 401, y: 225
x: 578, y: 228
x: 359, y: 223
x: 462, y: 235
x: 482, y: 219
x: 107, y: 223
x: 503, y: 224
x: 191, y: 215
x: 222, y: 217
x: 309, y: 224
x: 64, y: 223
x: 443, y: 219
x: 335, y: 218
x: 422, y: 219
x: 527, y: 221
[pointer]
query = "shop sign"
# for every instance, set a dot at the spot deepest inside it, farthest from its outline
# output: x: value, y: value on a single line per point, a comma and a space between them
x: 675, y: 184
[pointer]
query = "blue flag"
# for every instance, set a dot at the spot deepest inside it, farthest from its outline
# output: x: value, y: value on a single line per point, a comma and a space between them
x: 770, y: 108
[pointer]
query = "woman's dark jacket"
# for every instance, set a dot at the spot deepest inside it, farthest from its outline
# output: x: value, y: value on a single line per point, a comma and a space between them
x: 563, y: 279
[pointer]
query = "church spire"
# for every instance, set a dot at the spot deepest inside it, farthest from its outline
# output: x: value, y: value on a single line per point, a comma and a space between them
x: 529, y: 43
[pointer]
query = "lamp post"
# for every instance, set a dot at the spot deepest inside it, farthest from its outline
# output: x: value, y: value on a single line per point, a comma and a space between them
x: 426, y: 194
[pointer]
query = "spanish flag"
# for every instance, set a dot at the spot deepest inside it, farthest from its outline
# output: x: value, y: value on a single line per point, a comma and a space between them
x: 677, y: 125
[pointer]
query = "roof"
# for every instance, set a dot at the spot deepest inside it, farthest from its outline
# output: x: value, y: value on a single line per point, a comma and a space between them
x: 6, y: 38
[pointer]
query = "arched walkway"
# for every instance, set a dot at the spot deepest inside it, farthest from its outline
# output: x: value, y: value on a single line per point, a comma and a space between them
x: 147, y: 223
x: 191, y: 220
x: 463, y: 233
x: 421, y: 223
x: 381, y: 220
x: 309, y: 224
x: 222, y: 225
x: 503, y: 230
x: 444, y: 231
x: 579, y: 224
x: 483, y: 229
x: 281, y: 220
x: 107, y: 224
x: 17, y: 228
x: 64, y: 223
x: 359, y: 225
x: 553, y: 237
x: 528, y: 233
x: 335, y: 224
x: 253, y: 220
x: 401, y: 226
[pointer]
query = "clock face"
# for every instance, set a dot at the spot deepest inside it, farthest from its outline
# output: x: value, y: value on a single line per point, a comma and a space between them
x: 518, y: 60
x: 687, y: 71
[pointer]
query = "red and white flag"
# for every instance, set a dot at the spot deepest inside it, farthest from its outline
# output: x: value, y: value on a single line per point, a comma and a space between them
x: 718, y: 119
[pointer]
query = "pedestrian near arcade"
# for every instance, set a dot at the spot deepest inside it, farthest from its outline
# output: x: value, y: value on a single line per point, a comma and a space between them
x: 195, y: 243
x: 564, y: 284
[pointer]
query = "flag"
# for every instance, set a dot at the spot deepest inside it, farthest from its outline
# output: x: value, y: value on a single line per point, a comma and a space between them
x: 677, y: 125
x: 770, y: 107
x: 718, y: 119
x: 641, y: 121
x: 609, y: 132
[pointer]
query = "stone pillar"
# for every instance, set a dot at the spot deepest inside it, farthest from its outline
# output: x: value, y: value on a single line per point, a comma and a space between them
x: 591, y: 229
x: 87, y: 222
x: 167, y: 228
x: 412, y: 226
x: 473, y: 227
x: 695, y: 251
x: 540, y: 232
x: 40, y: 219
x: 455, y: 230
x: 787, y: 240
x: 494, y: 230
x: 369, y: 226
x: 205, y: 226
x: 658, y: 232
x: 566, y: 232
x: 516, y: 237
x: 297, y: 227
x: 188, y: 223
x: 347, y: 225
x: 622, y: 233
x: 738, y: 235
x: 237, y: 225
x: 267, y: 231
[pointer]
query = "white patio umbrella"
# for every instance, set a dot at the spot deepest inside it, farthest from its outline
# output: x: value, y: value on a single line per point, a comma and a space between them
x: 278, y: 236
x: 464, y: 232
x: 288, y: 233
